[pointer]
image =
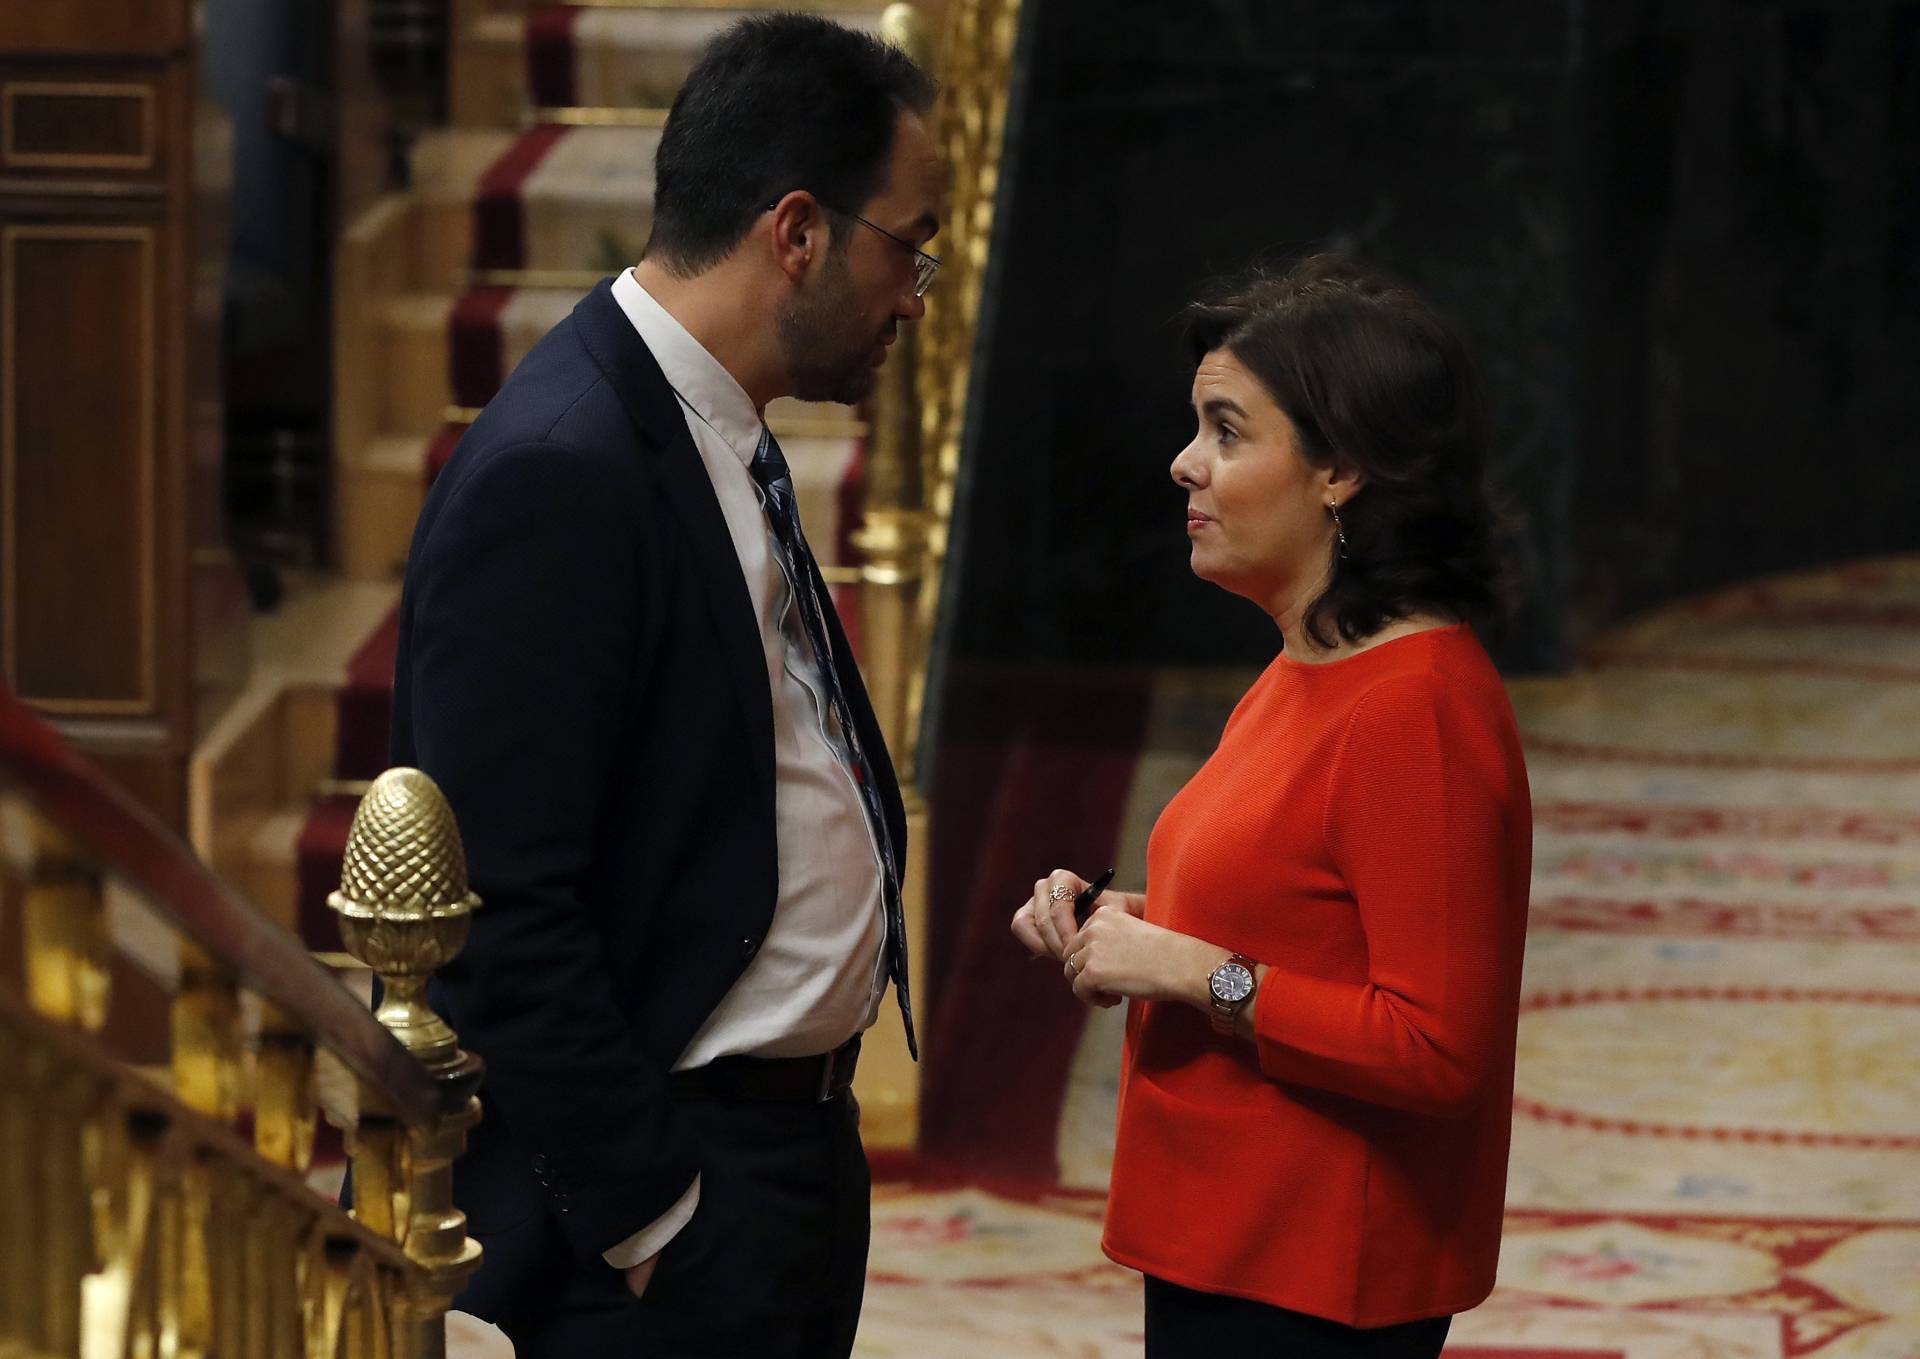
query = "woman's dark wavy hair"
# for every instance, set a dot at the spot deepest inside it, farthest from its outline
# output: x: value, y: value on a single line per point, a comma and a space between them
x: 1374, y: 380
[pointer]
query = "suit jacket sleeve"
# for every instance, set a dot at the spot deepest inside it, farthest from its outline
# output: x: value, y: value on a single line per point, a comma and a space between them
x: 529, y: 597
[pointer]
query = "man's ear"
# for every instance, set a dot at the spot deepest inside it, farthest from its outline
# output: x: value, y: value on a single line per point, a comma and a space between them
x: 798, y: 232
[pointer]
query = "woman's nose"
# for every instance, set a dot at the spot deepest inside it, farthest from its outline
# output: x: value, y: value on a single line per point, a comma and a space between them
x: 1186, y: 467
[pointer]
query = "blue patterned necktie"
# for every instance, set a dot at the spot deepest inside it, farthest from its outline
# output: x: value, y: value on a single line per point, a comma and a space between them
x: 770, y: 470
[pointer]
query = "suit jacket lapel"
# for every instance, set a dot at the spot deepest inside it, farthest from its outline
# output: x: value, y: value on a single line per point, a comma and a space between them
x: 632, y: 372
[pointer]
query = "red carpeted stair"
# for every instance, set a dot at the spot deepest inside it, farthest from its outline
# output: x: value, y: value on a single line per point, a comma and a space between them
x: 364, y: 704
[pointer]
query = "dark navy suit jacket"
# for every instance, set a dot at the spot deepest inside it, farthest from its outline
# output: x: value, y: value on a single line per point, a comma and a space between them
x: 580, y: 670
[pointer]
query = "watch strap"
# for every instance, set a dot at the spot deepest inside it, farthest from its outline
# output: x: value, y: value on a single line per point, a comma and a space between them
x: 1226, y: 1012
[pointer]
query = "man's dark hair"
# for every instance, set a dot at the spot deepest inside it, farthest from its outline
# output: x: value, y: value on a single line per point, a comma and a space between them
x: 777, y: 102
x: 1374, y: 380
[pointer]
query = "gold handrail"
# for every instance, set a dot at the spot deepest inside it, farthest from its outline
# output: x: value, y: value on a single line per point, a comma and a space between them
x: 144, y: 1215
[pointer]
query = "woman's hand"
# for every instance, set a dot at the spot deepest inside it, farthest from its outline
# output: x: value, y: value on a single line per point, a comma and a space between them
x: 1117, y: 955
x: 1045, y: 919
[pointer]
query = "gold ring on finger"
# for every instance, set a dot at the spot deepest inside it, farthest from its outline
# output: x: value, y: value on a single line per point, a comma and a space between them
x: 1059, y: 892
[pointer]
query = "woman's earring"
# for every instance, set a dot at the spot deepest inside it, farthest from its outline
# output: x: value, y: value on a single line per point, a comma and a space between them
x: 1339, y: 530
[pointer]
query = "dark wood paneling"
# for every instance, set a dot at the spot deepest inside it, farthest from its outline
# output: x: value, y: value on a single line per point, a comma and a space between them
x: 109, y: 409
x: 77, y: 416
x: 152, y: 27
x: 77, y: 125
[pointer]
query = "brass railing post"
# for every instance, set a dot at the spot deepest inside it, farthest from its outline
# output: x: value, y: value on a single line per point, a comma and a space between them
x: 404, y: 909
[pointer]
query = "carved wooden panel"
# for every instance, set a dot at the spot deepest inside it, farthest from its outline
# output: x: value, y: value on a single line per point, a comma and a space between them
x: 78, y: 410
x: 77, y: 125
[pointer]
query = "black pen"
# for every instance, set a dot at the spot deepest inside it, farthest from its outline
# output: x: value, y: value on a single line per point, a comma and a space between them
x: 1083, y: 903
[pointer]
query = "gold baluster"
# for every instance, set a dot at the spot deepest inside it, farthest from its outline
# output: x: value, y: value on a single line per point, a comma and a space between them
x: 64, y: 1252
x: 285, y: 1326
x: 369, y: 1327
x: 230, y: 1205
x: 283, y: 1105
x: 63, y: 918
x: 329, y: 1292
x: 206, y: 1035
x: 256, y: 1273
x: 118, y: 1297
x: 379, y: 1147
x: 169, y: 1254
x: 19, y: 1224
x: 195, y: 1297
x: 404, y: 909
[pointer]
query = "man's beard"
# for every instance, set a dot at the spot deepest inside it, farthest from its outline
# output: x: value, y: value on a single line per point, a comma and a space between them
x: 827, y: 359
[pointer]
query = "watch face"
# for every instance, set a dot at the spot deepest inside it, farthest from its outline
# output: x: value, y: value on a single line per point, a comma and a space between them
x: 1231, y: 982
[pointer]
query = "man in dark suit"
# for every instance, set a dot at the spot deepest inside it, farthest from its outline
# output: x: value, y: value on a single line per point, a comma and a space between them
x: 621, y: 665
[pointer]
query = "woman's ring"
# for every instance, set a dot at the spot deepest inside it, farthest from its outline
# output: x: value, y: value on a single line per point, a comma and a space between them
x: 1059, y: 892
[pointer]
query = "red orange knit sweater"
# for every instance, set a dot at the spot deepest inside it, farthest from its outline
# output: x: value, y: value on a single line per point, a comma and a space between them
x: 1364, y: 829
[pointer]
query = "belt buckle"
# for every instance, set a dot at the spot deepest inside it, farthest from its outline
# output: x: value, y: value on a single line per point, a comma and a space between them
x: 840, y: 1059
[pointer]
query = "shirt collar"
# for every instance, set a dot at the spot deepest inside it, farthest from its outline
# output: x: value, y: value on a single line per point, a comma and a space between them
x: 701, y: 382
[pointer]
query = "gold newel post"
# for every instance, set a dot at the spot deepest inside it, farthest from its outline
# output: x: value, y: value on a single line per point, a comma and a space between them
x: 404, y: 909
x: 892, y: 540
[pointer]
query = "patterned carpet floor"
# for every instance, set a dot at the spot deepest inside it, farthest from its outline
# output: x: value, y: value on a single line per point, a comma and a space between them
x: 1717, y: 1133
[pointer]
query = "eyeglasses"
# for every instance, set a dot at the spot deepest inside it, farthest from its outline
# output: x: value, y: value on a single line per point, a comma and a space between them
x: 925, y: 266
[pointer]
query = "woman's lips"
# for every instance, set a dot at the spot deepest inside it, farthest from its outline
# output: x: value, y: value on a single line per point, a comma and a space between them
x: 1196, y: 521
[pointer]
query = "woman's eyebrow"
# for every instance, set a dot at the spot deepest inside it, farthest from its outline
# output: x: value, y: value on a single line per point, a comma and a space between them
x: 1214, y: 405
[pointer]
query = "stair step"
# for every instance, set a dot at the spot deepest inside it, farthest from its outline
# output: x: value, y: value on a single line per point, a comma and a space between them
x: 507, y: 65
x: 576, y: 199
x: 276, y: 842
x: 384, y: 484
x: 250, y: 778
x: 380, y: 489
x: 426, y: 368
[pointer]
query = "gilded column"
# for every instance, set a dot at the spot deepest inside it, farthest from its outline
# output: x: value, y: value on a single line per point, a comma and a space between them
x: 892, y: 540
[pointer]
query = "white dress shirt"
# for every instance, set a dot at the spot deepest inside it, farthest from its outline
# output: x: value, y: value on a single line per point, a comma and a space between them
x: 819, y: 976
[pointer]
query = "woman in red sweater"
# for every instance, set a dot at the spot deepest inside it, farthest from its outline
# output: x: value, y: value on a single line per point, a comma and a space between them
x: 1315, y: 1105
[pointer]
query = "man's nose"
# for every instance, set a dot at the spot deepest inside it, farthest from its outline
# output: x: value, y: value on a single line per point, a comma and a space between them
x: 910, y: 308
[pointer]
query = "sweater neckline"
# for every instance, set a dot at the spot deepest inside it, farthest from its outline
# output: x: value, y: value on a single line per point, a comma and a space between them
x: 1359, y: 658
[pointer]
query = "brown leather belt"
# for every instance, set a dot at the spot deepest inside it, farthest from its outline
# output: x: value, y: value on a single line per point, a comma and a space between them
x: 786, y: 1080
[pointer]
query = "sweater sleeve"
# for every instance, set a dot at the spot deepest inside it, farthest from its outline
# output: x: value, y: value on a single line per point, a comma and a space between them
x: 1417, y: 823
